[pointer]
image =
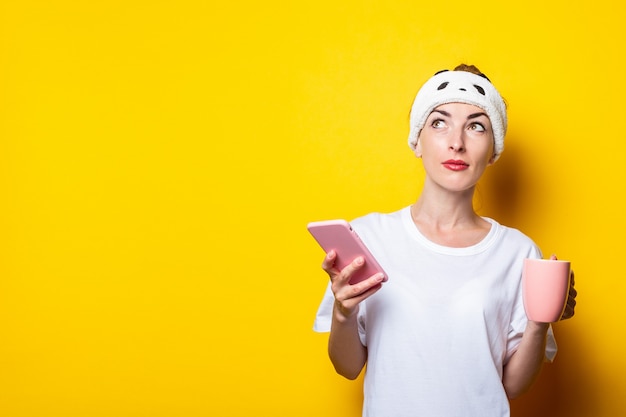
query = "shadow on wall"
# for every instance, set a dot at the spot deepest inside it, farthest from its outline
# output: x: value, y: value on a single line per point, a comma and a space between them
x: 499, y: 194
x: 565, y: 387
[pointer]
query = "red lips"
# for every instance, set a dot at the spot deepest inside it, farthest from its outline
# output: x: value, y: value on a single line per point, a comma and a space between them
x: 455, y: 165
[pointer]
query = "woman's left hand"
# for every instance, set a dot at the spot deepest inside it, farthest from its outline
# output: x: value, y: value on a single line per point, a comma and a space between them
x: 568, y: 313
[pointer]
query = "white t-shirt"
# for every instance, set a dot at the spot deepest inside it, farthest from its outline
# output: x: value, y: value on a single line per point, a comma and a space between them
x: 441, y: 329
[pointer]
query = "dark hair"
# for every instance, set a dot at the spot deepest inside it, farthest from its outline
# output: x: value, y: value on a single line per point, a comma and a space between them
x: 474, y: 70
x: 471, y: 68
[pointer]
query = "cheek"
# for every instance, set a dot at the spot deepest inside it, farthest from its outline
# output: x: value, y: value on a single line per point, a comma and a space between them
x: 488, y: 147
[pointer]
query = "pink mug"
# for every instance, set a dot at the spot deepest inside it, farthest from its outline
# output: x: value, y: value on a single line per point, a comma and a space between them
x: 545, y: 286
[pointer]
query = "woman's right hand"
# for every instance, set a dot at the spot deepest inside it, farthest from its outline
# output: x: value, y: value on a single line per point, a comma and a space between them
x: 348, y: 296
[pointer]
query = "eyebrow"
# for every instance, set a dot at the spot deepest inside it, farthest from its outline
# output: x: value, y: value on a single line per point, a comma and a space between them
x: 475, y: 115
x: 471, y: 116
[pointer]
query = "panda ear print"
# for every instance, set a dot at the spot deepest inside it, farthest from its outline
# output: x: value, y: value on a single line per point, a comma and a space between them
x: 479, y: 89
x: 439, y: 72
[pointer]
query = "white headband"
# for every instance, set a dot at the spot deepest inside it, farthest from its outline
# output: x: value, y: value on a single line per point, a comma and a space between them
x: 459, y: 87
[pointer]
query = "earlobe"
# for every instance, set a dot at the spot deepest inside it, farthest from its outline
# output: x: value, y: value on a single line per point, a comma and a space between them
x: 418, y: 149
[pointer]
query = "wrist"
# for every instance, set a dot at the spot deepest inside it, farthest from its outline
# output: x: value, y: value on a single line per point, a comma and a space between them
x: 343, y: 315
x: 537, y: 327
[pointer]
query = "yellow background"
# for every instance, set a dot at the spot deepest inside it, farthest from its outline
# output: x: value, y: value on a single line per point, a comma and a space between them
x: 159, y: 161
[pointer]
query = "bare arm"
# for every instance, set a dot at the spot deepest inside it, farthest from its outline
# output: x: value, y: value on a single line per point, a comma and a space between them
x: 345, y: 349
x: 525, y: 364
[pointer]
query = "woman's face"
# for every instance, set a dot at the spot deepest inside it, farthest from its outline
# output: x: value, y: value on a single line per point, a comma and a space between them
x: 456, y: 145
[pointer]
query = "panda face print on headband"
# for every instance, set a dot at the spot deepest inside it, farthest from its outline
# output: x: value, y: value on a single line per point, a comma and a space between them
x: 459, y: 87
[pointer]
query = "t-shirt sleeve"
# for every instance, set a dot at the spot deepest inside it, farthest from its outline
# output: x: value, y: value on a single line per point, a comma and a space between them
x: 323, y: 318
x: 515, y: 337
x: 361, y: 322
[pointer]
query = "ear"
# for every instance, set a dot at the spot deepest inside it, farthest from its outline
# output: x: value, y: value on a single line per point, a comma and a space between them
x: 492, y: 160
x: 418, y: 149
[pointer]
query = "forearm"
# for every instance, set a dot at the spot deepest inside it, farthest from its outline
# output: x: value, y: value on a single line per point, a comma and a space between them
x: 345, y: 349
x: 525, y: 364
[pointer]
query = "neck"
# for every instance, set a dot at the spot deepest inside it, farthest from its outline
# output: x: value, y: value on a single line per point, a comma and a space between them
x: 445, y: 209
x: 449, y: 219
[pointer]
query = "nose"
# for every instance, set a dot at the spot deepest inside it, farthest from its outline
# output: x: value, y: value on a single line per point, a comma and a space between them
x: 457, y: 141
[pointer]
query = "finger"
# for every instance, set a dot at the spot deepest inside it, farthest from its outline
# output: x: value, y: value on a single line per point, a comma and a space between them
x: 365, y: 285
x: 572, y: 292
x: 342, y: 277
x: 351, y: 295
x: 553, y: 257
x: 570, y: 309
x: 352, y: 267
x: 347, y: 291
x: 328, y: 264
x: 567, y: 314
x: 571, y: 301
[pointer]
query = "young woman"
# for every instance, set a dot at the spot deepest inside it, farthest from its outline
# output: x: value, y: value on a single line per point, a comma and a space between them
x: 447, y: 335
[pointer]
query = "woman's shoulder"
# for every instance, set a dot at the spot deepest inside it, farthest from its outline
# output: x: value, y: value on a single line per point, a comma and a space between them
x: 511, y: 231
x: 381, y: 226
x: 512, y: 235
x: 380, y: 219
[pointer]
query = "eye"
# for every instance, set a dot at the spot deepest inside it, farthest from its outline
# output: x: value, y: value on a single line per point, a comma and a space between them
x: 477, y: 127
x: 438, y: 123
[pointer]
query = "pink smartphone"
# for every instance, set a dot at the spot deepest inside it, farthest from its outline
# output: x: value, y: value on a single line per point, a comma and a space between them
x: 338, y: 235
